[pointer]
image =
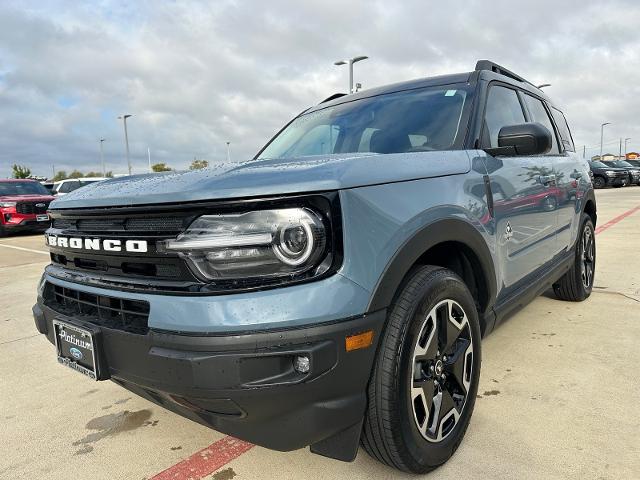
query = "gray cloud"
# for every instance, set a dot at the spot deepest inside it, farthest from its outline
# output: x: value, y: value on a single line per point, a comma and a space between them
x: 198, y: 74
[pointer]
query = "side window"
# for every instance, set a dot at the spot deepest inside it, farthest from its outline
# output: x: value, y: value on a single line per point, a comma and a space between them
x: 563, y: 127
x: 503, y: 109
x: 539, y: 114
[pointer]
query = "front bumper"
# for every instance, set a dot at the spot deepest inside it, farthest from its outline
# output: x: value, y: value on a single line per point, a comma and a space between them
x: 614, y: 181
x: 25, y: 222
x: 245, y: 384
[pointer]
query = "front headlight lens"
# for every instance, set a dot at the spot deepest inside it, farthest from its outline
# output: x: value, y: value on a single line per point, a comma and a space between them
x: 7, y: 204
x: 264, y: 243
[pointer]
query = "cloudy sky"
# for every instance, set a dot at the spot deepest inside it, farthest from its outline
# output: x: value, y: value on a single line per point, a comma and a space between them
x: 198, y: 74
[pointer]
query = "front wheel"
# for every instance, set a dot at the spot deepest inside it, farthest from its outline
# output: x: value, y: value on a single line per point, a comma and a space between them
x: 425, y: 378
x: 599, y: 182
x: 577, y: 283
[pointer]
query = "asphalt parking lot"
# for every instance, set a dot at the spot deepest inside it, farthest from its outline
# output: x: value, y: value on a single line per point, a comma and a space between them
x: 558, y: 394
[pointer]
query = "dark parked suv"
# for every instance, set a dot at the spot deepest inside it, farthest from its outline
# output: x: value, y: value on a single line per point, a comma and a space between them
x: 334, y: 290
x: 607, y: 176
x: 633, y: 172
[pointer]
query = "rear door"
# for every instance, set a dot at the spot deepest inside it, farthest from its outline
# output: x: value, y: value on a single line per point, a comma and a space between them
x: 522, y: 189
x: 561, y: 191
x: 572, y: 176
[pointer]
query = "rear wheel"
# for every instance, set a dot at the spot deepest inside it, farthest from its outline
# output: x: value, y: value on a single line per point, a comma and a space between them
x: 577, y: 283
x: 425, y: 378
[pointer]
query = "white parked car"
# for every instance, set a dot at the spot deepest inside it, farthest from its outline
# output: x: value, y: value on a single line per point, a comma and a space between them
x: 69, y: 185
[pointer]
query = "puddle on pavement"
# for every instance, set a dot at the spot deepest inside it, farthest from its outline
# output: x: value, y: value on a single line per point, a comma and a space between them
x: 226, y: 474
x: 113, y: 424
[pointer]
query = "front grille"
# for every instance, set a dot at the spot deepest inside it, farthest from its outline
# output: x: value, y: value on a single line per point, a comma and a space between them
x: 110, y: 312
x: 152, y: 265
x: 30, y: 208
x: 162, y: 225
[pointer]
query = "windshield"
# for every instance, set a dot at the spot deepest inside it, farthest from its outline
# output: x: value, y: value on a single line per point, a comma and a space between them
x: 409, y: 121
x: 22, y: 188
x: 598, y: 164
x: 622, y: 164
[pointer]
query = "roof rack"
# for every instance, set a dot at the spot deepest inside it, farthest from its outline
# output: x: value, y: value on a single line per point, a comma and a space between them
x: 494, y: 67
x: 332, y: 97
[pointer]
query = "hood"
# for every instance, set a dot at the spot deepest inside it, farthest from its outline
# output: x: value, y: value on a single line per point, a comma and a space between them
x: 26, y: 198
x: 258, y: 178
x: 613, y: 169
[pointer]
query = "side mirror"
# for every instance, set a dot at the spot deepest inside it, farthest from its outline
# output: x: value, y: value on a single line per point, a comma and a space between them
x: 523, y: 139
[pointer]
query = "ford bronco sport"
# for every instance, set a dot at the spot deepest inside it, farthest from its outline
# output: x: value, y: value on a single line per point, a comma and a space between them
x: 334, y: 290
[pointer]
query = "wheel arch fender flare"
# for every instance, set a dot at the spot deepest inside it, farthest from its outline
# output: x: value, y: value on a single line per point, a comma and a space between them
x: 429, y: 236
x: 590, y: 199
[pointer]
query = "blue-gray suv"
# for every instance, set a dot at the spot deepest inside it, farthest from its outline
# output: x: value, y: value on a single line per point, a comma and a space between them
x: 333, y: 291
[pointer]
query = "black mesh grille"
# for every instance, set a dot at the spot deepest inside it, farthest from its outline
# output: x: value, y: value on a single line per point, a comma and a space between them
x: 110, y: 312
x: 32, y: 208
x: 161, y: 225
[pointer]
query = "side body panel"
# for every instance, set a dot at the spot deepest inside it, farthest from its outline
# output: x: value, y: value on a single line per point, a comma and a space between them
x: 572, y: 177
x: 381, y: 223
x: 525, y: 216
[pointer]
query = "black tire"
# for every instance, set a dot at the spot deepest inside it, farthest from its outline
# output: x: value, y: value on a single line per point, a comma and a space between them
x: 599, y: 182
x: 3, y: 231
x: 576, y: 285
x: 391, y: 432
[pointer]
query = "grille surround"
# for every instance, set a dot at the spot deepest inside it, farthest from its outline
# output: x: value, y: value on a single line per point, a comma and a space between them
x: 171, y: 274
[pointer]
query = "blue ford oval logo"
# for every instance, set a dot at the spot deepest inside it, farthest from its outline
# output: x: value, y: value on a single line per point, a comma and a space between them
x: 77, y: 354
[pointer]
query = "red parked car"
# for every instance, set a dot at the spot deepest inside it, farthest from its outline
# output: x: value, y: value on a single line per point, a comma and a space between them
x: 23, y: 206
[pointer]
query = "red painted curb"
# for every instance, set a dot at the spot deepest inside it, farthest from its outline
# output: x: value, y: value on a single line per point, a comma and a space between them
x: 206, y: 461
x: 620, y: 217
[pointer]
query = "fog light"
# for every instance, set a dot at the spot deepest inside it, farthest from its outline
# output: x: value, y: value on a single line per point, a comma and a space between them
x: 302, y: 364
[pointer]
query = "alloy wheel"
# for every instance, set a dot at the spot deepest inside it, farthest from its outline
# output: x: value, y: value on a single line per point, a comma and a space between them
x: 442, y: 369
x: 588, y: 260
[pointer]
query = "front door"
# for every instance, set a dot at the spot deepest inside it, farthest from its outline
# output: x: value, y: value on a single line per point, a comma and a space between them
x: 523, y: 189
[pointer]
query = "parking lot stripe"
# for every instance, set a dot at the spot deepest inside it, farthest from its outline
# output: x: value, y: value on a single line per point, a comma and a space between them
x: 617, y: 219
x: 24, y: 249
x: 206, y: 461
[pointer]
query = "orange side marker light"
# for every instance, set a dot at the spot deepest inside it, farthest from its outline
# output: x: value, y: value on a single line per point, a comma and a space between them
x: 361, y: 340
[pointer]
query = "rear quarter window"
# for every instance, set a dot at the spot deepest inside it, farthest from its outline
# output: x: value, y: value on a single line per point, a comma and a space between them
x: 563, y: 129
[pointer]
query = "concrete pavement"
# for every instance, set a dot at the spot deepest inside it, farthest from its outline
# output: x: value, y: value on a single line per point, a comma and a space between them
x: 558, y: 394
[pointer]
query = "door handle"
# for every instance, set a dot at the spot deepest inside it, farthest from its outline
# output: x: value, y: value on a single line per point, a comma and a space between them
x: 547, y: 179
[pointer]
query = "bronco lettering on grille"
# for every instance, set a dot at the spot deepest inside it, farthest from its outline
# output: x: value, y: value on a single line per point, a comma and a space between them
x: 98, y: 244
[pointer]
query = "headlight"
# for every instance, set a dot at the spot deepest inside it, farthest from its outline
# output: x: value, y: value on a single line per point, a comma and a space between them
x: 7, y: 204
x: 283, y: 242
x: 609, y: 172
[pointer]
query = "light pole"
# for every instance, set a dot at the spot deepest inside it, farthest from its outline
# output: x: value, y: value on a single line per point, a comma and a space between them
x: 228, y: 151
x: 126, y: 138
x: 544, y: 85
x: 104, y: 172
x: 350, y: 62
x: 625, y: 146
x: 602, y: 136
